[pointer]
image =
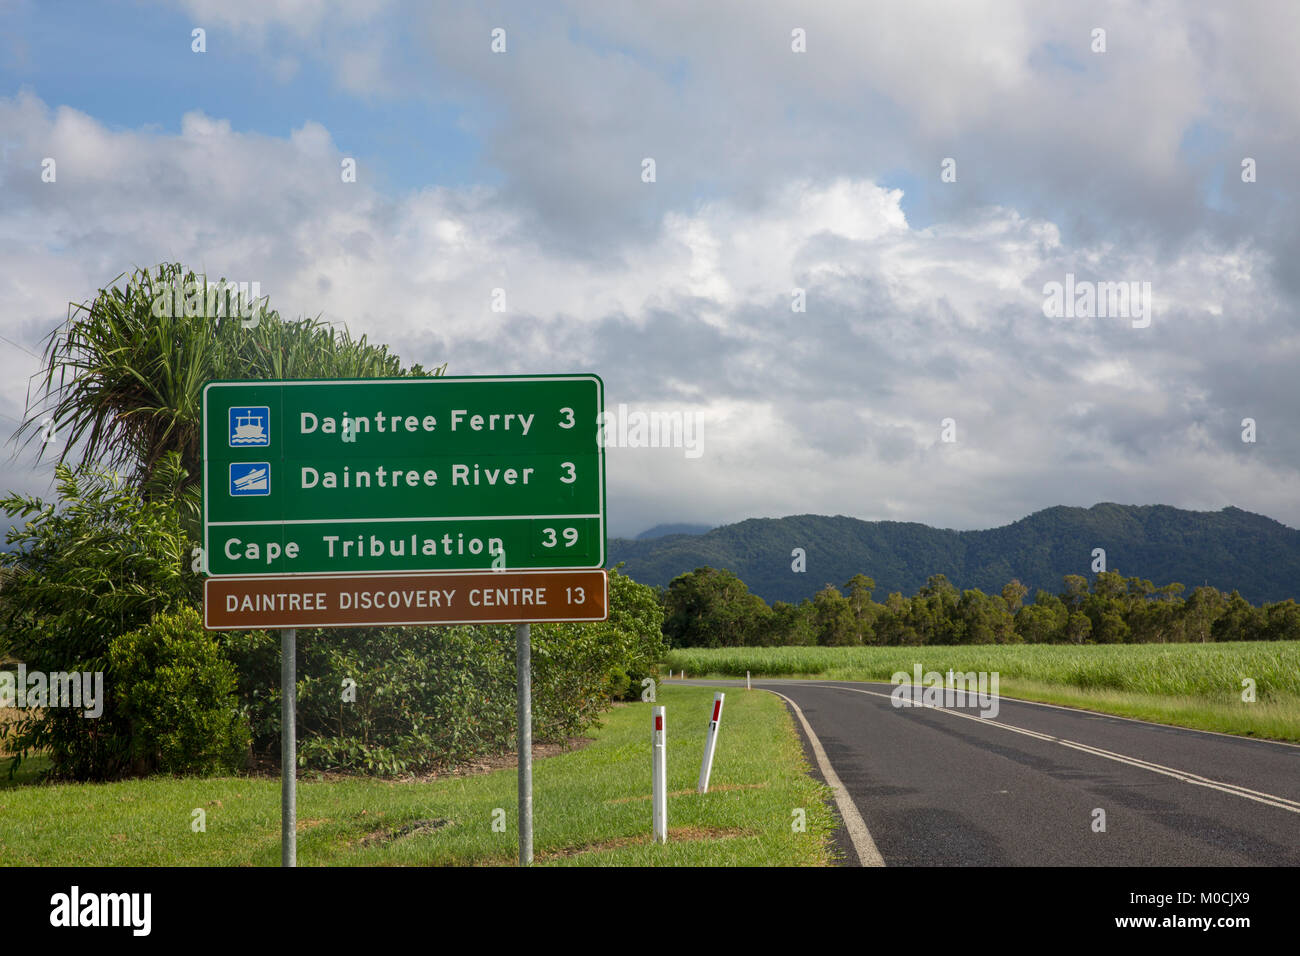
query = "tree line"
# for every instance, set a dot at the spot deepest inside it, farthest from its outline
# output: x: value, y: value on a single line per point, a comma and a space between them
x: 711, y: 607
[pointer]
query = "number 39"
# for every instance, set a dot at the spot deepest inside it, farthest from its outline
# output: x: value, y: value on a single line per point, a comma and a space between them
x: 550, y: 541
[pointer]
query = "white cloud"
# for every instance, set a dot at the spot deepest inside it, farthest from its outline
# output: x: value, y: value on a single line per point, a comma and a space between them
x: 836, y: 410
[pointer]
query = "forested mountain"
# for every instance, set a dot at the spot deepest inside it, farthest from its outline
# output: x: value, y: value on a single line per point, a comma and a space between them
x: 1228, y: 549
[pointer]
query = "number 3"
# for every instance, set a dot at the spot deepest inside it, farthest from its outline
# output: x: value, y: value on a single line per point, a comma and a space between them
x: 569, y: 414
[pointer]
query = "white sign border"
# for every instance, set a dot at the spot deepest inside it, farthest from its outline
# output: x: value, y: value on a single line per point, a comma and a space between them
x: 245, y: 383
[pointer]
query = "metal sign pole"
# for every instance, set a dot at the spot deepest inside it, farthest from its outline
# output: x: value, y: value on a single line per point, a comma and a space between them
x: 288, y: 749
x: 524, y: 704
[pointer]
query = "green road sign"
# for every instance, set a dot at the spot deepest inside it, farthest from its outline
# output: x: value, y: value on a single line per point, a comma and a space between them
x: 405, y: 474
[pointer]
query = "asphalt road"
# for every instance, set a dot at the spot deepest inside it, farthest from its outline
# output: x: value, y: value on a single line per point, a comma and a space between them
x: 942, y: 786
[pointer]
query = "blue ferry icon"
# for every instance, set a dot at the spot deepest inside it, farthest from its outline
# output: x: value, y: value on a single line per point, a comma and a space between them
x: 250, y: 427
x: 250, y: 478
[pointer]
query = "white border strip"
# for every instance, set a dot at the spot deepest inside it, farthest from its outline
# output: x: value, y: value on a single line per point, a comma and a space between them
x: 595, y: 379
x: 487, y: 576
x: 863, y: 845
x: 448, y: 519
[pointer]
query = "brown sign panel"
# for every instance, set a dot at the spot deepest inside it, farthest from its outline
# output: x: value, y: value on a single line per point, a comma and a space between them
x: 362, y: 600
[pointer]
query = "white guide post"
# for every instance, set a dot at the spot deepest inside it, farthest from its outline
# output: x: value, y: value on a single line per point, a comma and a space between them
x: 659, y: 778
x: 706, y: 767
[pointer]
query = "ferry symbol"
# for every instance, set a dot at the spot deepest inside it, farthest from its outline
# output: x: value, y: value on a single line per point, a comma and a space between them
x: 250, y: 478
x: 250, y: 427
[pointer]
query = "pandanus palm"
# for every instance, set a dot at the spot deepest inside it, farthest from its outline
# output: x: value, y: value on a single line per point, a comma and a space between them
x: 123, y: 378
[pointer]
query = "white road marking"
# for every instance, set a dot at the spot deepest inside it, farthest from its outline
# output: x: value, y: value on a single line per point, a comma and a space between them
x: 1073, y: 710
x: 1272, y: 800
x: 859, y: 835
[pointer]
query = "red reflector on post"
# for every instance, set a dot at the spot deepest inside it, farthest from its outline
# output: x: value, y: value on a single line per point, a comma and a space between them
x: 717, y: 706
x: 659, y: 722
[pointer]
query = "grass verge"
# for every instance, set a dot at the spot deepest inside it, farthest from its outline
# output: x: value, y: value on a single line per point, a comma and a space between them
x: 590, y: 807
x: 1187, y: 685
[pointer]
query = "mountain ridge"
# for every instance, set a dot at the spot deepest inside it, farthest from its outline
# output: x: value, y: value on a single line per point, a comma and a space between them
x: 1230, y: 549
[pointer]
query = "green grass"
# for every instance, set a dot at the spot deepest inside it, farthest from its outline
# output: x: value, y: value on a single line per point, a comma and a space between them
x: 28, y: 772
x: 1188, y: 685
x: 590, y: 806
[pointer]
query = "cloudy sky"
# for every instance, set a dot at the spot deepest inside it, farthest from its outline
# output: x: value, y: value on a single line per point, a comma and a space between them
x: 775, y: 169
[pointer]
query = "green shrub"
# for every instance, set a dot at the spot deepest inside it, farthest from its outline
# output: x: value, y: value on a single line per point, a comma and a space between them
x: 97, y: 563
x: 395, y: 700
x: 384, y: 700
x: 177, y: 690
x: 636, y: 619
x: 620, y: 685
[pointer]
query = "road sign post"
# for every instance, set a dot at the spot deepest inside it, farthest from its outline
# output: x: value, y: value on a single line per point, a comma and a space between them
x: 288, y: 747
x: 430, y: 500
x: 524, y: 710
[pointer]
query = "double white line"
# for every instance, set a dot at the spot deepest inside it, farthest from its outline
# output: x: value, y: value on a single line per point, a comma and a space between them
x: 1282, y: 803
x: 865, y: 847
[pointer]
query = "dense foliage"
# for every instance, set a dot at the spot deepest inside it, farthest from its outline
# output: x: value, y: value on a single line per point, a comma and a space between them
x: 123, y: 378
x: 1228, y: 549
x: 712, y: 608
x: 383, y: 700
x: 177, y: 691
x: 396, y: 700
x: 99, y: 564
x: 127, y: 376
x: 101, y: 581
